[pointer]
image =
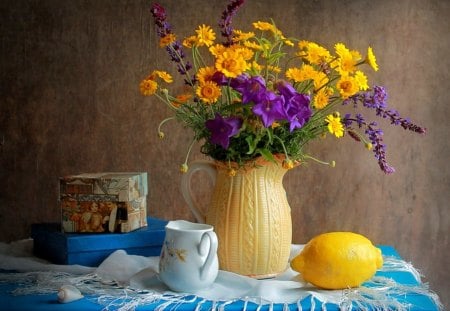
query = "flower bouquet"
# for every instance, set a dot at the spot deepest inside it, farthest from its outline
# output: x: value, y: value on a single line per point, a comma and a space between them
x: 259, y: 93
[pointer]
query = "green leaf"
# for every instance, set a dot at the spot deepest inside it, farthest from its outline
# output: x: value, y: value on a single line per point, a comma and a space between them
x: 266, y: 154
x: 270, y: 135
x: 252, y: 143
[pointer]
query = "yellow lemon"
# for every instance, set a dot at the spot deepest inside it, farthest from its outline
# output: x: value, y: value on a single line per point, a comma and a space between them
x: 337, y: 260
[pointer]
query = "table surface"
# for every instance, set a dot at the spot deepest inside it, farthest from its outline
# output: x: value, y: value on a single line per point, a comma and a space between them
x: 48, y: 302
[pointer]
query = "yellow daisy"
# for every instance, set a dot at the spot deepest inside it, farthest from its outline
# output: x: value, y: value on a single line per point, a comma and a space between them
x: 361, y: 79
x: 239, y: 35
x: 246, y: 53
x: 181, y: 99
x: 209, y: 92
x: 371, y: 59
x: 205, y: 35
x: 322, y: 97
x: 347, y: 86
x: 189, y: 41
x: 319, y: 78
x: 163, y: 75
x: 335, y: 125
x: 264, y: 26
x: 255, y: 66
x: 307, y: 72
x: 205, y: 74
x: 217, y: 49
x: 294, y: 74
x: 253, y: 45
x: 231, y: 63
x: 347, y: 60
x: 274, y: 69
x: 166, y: 40
x: 148, y: 87
x: 316, y: 54
x: 302, y: 44
x: 288, y: 42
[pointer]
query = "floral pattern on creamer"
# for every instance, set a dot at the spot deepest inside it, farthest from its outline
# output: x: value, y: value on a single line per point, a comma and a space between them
x: 169, y: 252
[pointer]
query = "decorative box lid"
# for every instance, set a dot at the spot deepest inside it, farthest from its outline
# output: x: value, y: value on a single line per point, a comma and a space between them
x: 112, y: 186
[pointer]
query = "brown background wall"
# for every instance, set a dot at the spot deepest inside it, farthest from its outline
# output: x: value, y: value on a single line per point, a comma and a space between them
x: 70, y: 103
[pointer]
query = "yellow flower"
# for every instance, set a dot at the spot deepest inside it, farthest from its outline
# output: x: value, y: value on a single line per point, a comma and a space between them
x: 295, y: 74
x: 288, y: 42
x: 361, y: 79
x: 347, y: 60
x: 347, y: 86
x: 302, y: 44
x: 208, y: 92
x: 166, y: 40
x: 322, y: 97
x: 181, y: 99
x: 217, y: 49
x: 288, y: 164
x: 246, y: 53
x: 205, y: 35
x: 232, y: 172
x: 163, y: 75
x: 253, y: 45
x: 316, y: 54
x: 231, y: 63
x: 239, y: 35
x: 205, y: 74
x: 148, y: 87
x: 335, y: 125
x: 307, y: 72
x: 189, y: 41
x: 255, y: 66
x: 275, y: 69
x: 371, y: 59
x: 264, y: 26
x: 320, y: 79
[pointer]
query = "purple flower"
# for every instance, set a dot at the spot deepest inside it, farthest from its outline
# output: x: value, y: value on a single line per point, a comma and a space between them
x: 297, y: 111
x: 225, y: 22
x: 377, y: 99
x: 296, y: 105
x: 270, y: 108
x: 174, y: 49
x: 222, y: 129
x: 252, y: 89
x: 286, y: 89
x: 219, y: 78
x: 375, y: 136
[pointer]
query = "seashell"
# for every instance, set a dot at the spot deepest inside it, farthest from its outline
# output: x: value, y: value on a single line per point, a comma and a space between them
x: 68, y: 293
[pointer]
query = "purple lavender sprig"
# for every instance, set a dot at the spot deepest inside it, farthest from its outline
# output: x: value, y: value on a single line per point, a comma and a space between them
x: 226, y: 20
x: 377, y: 99
x: 375, y: 136
x: 174, y: 49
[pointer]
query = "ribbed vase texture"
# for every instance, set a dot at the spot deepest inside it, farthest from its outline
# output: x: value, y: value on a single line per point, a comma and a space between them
x: 252, y: 219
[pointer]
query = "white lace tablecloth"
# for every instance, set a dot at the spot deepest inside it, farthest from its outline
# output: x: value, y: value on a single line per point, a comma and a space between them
x: 136, y: 278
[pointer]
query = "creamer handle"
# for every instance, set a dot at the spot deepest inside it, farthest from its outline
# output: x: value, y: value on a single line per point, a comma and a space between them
x: 205, y: 270
x: 186, y: 188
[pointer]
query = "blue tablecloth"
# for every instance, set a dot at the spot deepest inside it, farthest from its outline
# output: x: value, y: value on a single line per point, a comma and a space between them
x: 414, y: 301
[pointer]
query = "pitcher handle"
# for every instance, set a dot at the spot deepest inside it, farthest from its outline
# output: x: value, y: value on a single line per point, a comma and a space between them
x: 211, y: 253
x: 186, y: 189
